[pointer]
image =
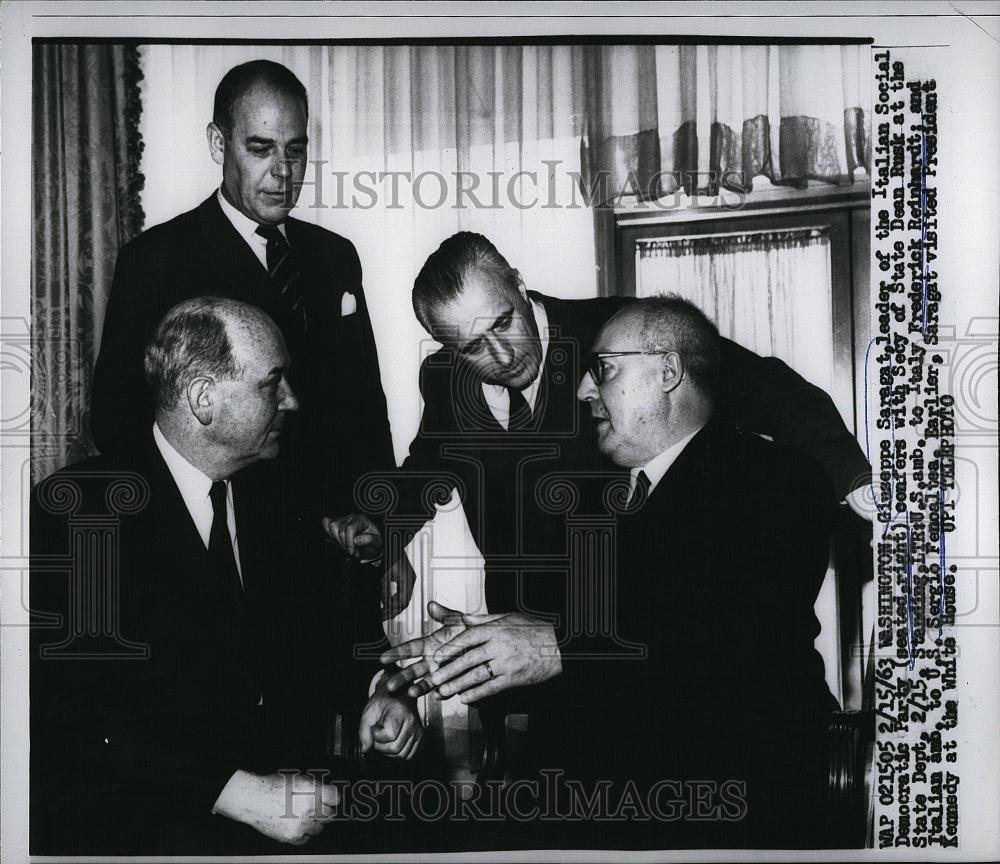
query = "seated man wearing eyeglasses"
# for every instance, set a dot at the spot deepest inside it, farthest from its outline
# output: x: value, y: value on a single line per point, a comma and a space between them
x: 700, y: 717
x: 501, y: 419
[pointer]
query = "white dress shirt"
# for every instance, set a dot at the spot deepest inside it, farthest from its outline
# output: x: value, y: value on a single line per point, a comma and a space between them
x: 247, y: 229
x: 496, y: 395
x: 656, y: 467
x: 195, y: 489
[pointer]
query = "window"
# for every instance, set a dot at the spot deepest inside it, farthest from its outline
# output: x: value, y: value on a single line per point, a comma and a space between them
x: 785, y: 278
x: 769, y: 291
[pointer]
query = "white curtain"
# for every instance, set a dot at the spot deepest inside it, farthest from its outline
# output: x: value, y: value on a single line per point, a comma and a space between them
x: 770, y: 291
x: 661, y: 117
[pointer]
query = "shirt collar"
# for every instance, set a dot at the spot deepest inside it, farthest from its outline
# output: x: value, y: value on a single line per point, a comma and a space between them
x: 656, y: 467
x: 244, y: 225
x: 194, y: 486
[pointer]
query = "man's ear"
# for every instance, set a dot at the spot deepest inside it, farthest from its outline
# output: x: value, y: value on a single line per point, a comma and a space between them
x: 201, y: 399
x: 216, y: 143
x: 673, y: 370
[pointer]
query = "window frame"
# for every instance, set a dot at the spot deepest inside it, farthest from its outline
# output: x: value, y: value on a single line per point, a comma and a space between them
x: 843, y: 214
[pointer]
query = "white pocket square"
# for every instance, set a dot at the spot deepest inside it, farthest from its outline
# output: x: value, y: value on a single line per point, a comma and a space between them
x: 348, y: 305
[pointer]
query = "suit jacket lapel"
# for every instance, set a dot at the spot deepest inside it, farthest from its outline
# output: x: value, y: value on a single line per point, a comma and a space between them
x: 557, y: 392
x: 317, y: 269
x: 228, y: 257
x: 174, y: 518
x: 556, y: 397
x: 690, y: 470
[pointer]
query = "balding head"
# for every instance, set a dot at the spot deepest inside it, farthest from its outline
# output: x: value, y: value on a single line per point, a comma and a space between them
x: 670, y: 320
x: 654, y: 369
x: 217, y: 370
x: 191, y: 340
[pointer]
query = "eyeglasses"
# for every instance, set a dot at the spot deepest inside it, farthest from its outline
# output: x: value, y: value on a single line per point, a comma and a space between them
x: 594, y: 359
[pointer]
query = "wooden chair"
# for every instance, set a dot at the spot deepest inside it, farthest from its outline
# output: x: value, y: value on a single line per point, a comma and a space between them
x: 852, y: 730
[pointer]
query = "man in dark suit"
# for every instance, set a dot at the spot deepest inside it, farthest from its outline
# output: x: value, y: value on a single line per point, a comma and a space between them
x: 504, y: 346
x: 241, y: 243
x: 185, y: 650
x: 712, y: 695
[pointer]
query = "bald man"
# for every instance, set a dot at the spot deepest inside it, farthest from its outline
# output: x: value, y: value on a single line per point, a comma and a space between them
x: 184, y: 668
x: 719, y: 548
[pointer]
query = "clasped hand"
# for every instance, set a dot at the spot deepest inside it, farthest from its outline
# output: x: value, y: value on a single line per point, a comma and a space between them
x: 390, y: 724
x: 474, y: 656
x: 357, y: 535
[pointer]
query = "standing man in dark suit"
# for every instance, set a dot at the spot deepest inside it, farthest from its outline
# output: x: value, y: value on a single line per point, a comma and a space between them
x: 179, y: 682
x: 242, y: 243
x: 720, y: 547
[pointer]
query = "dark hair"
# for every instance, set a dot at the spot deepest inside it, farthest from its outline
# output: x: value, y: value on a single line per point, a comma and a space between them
x: 191, y: 340
x: 442, y: 278
x: 243, y: 78
x: 670, y: 321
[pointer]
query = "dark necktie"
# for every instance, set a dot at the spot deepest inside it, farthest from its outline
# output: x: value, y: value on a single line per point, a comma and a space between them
x: 639, y: 494
x: 519, y: 417
x: 232, y: 611
x: 220, y: 546
x: 283, y: 270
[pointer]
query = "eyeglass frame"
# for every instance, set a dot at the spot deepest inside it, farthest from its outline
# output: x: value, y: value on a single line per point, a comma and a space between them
x: 593, y: 364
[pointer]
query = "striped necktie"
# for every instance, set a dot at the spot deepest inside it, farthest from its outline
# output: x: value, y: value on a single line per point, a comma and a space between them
x: 283, y: 271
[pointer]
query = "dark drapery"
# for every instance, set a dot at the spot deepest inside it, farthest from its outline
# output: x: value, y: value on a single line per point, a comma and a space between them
x: 85, y: 204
